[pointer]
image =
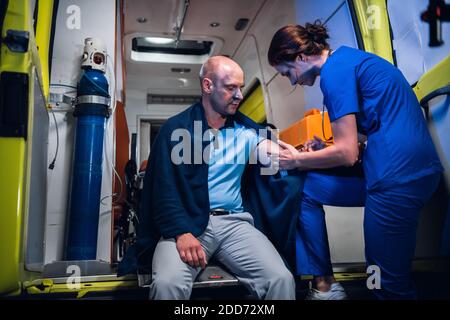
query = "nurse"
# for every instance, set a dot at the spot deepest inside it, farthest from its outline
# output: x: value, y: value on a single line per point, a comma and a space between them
x: 339, y: 187
x: 365, y: 94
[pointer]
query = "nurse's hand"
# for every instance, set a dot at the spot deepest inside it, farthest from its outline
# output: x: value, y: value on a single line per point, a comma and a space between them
x: 288, y: 156
x: 313, y: 145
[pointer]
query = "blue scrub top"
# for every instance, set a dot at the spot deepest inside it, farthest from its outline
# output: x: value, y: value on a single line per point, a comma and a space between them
x: 399, y: 147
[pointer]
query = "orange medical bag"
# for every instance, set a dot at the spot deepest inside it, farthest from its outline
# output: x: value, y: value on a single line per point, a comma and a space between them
x: 311, y: 125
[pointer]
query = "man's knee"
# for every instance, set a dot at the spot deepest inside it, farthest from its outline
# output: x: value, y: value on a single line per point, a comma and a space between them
x: 281, y: 276
x: 172, y: 286
x: 281, y: 285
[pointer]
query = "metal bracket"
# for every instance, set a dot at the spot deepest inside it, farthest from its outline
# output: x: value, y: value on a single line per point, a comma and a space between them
x: 93, y: 99
x: 61, y: 98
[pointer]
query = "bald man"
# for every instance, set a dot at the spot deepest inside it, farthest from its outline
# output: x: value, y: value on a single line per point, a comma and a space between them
x: 195, y: 210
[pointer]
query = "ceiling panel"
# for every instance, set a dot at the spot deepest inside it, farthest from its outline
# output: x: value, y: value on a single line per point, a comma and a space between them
x: 162, y: 17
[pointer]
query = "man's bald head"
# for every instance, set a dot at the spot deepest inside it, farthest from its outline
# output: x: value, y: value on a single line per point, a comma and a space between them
x: 221, y: 81
x: 218, y: 66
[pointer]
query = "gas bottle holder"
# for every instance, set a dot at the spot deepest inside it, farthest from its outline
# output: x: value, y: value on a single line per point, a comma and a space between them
x: 93, y: 99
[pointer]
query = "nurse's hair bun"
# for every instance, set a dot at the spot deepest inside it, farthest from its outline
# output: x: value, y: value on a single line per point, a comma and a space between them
x: 317, y: 32
x: 293, y: 40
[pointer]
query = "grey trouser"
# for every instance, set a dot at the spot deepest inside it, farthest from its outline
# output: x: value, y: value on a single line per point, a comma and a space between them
x: 238, y: 245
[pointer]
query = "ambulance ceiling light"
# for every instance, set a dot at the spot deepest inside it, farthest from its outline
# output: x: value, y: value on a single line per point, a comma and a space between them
x: 158, y: 40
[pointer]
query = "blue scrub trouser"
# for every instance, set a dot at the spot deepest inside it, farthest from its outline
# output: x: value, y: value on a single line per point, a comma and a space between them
x: 322, y: 188
x: 390, y: 225
x: 390, y: 222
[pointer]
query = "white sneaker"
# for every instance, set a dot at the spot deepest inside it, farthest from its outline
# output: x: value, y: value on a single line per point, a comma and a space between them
x: 336, y: 292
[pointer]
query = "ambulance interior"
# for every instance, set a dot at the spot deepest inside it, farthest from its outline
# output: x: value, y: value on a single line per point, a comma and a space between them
x: 154, y: 51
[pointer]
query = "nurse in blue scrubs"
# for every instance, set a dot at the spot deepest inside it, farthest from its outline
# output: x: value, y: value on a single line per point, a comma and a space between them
x: 339, y: 187
x: 364, y: 94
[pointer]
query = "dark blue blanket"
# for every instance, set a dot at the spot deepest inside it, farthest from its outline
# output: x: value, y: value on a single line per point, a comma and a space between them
x: 175, y: 197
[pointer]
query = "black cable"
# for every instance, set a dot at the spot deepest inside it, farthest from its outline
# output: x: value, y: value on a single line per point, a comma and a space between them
x: 438, y: 92
x: 334, y: 12
x: 52, y: 164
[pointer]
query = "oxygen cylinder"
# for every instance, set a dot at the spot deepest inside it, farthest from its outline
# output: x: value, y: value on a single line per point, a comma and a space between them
x: 91, y: 111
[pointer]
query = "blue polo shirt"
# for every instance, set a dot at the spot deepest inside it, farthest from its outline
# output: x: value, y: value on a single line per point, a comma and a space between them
x: 399, y: 147
x: 230, y: 151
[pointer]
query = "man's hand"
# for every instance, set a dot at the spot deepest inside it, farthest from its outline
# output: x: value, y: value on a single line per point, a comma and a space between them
x: 191, y: 251
x: 288, y: 156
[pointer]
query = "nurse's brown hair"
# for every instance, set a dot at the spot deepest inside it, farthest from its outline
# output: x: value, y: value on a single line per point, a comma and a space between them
x: 293, y: 40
